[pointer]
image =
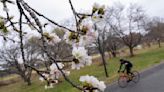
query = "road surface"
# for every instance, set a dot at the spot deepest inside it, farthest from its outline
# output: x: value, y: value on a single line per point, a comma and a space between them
x: 151, y: 80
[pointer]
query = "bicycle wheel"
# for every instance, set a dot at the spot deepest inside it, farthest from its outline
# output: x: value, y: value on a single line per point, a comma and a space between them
x: 122, y: 81
x: 136, y: 77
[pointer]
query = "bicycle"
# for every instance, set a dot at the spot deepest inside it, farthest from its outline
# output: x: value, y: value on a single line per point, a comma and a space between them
x: 125, y: 79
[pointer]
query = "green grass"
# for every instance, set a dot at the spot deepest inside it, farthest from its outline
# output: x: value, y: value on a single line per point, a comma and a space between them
x: 144, y: 59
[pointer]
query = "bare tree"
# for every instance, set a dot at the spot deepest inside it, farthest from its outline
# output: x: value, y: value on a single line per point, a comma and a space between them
x: 100, y: 43
x: 113, y: 43
x: 147, y: 39
x: 12, y: 56
x: 127, y: 23
x: 156, y: 31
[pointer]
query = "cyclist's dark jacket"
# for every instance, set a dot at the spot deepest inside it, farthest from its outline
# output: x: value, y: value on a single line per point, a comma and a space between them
x: 128, y: 65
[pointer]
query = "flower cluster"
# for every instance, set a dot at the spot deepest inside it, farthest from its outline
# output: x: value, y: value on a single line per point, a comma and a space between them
x: 85, y: 36
x: 92, y: 83
x: 79, y: 41
x: 71, y: 37
x: 51, y: 38
x: 98, y: 12
x: 56, y: 72
x: 53, y: 76
x: 88, y: 39
x: 81, y: 57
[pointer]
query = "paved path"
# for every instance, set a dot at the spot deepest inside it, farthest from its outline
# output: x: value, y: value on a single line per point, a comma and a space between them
x: 152, y: 80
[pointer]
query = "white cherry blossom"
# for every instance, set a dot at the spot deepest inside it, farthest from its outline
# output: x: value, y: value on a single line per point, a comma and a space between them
x: 79, y: 52
x: 77, y: 66
x: 54, y: 39
x: 81, y: 58
x: 92, y: 81
x: 68, y: 37
x: 53, y: 66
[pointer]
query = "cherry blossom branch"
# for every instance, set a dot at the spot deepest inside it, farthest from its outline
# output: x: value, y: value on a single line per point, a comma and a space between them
x: 21, y: 33
x: 75, y: 15
x: 24, y: 8
x: 32, y: 14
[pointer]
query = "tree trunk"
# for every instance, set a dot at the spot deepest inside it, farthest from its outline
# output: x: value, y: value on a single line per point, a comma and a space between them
x: 159, y: 43
x: 28, y: 81
x: 102, y: 52
x: 113, y: 53
x: 131, y: 51
x: 104, y: 63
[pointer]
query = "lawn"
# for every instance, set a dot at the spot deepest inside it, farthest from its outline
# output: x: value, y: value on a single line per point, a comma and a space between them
x: 144, y: 58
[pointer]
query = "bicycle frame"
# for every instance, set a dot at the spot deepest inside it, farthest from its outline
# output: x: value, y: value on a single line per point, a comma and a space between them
x: 124, y: 78
x: 122, y: 74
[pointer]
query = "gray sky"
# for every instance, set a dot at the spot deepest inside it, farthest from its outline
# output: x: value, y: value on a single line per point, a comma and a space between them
x: 59, y: 10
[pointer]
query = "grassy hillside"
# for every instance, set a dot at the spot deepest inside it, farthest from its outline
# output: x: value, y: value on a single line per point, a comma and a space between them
x: 144, y: 58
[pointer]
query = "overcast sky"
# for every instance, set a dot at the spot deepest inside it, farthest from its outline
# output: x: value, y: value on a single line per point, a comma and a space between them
x: 59, y: 10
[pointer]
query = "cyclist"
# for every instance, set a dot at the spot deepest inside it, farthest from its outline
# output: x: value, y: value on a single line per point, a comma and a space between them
x: 128, y: 66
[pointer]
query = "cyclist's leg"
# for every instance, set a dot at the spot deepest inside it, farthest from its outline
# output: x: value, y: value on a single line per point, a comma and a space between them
x: 128, y: 71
